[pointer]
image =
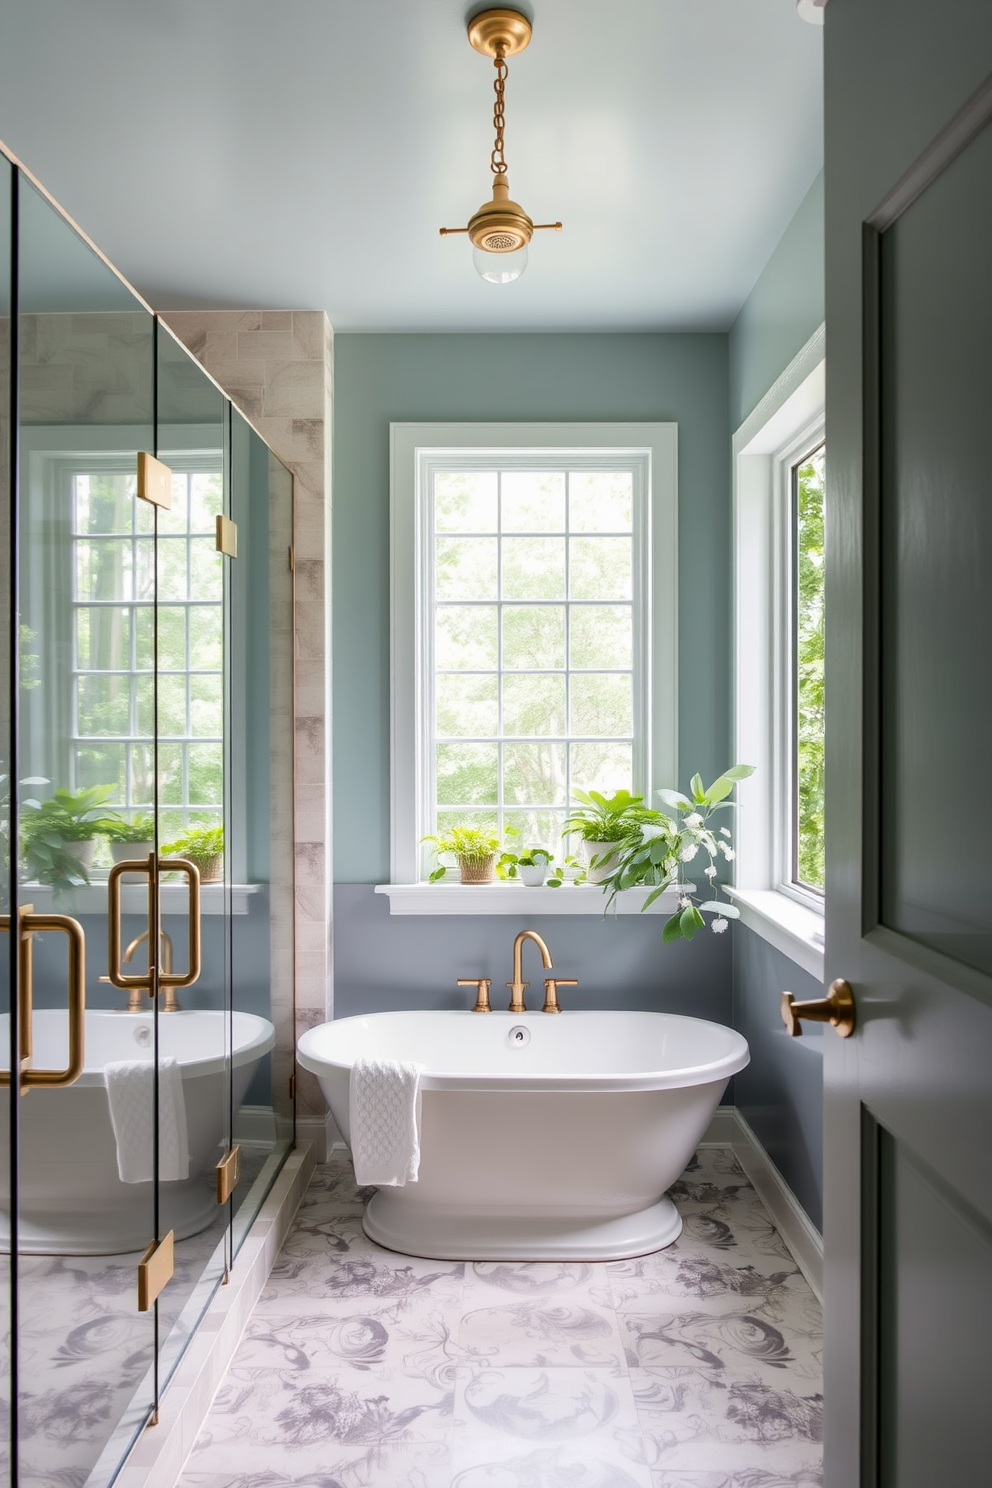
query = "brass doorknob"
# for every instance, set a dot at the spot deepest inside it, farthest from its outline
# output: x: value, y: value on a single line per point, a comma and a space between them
x: 837, y: 1009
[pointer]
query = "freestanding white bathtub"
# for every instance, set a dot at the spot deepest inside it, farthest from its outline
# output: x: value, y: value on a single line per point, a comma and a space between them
x: 542, y: 1138
x: 71, y: 1201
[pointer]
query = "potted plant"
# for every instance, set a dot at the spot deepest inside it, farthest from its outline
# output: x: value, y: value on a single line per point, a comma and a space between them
x: 476, y: 849
x: 531, y: 867
x: 130, y: 839
x: 653, y: 854
x: 203, y: 846
x: 58, y: 836
x: 603, y: 823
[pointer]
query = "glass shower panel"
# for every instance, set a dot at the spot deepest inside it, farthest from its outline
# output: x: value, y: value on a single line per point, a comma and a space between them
x: 194, y: 825
x: 8, y: 947
x: 86, y: 1206
x: 263, y: 953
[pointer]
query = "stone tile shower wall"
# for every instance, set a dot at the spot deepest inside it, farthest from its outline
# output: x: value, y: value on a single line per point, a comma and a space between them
x: 276, y: 366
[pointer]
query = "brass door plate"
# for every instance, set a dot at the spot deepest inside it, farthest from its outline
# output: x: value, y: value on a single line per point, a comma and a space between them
x: 228, y: 1173
x: 155, y: 1271
x: 154, y: 481
x: 227, y: 536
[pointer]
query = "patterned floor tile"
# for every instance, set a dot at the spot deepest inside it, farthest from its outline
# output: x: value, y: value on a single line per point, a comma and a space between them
x: 696, y: 1367
x: 748, y: 1477
x: 542, y: 1406
x: 380, y: 1465
x: 729, y: 1339
x: 541, y: 1331
x: 595, y: 1462
x: 701, y: 1418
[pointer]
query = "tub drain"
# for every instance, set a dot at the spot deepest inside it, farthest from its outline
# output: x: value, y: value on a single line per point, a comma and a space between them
x: 518, y: 1035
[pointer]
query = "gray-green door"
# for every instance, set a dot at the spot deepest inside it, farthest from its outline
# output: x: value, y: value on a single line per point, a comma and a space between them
x: 908, y: 1200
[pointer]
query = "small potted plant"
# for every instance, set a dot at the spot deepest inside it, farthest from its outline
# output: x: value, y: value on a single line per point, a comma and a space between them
x: 532, y: 867
x: 58, y: 836
x: 204, y: 847
x: 603, y: 823
x: 130, y: 839
x: 476, y: 849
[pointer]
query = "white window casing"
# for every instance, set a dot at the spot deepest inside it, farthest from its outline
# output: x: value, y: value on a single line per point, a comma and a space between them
x: 786, y: 424
x: 416, y: 450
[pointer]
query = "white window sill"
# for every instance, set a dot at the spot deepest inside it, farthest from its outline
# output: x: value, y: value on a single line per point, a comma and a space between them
x: 515, y: 899
x: 92, y: 898
x: 787, y: 925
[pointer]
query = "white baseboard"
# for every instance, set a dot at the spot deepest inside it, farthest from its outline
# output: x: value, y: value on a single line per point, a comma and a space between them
x: 722, y: 1129
x: 322, y: 1131
x: 790, y: 1218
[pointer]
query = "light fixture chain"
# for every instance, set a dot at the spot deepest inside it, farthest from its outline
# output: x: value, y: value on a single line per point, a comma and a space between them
x: 497, y: 159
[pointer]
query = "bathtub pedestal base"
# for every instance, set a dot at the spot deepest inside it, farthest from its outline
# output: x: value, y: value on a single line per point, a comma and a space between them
x: 442, y: 1234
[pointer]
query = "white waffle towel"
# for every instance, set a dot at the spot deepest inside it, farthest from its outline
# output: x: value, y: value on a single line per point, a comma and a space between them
x: 130, y: 1095
x: 384, y: 1100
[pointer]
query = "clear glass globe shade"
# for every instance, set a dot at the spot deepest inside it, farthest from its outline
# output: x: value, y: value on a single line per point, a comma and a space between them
x: 499, y: 268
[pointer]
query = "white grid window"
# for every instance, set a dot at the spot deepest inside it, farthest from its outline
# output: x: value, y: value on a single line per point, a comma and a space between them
x: 113, y: 600
x: 534, y: 611
x: 537, y: 663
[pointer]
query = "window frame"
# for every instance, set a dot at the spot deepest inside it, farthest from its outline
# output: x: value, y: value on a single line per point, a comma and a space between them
x: 415, y: 451
x: 48, y: 463
x: 788, y: 423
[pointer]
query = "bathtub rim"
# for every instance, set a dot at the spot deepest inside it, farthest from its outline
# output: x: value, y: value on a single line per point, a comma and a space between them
x: 261, y: 1042
x: 550, y: 1082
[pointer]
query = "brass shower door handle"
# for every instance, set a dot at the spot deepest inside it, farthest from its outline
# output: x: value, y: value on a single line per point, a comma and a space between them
x: 186, y: 978
x: 123, y: 979
x: 837, y: 1009
x: 28, y: 924
x: 153, y: 869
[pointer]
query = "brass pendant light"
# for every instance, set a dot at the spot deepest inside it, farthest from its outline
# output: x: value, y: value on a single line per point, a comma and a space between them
x: 500, y: 230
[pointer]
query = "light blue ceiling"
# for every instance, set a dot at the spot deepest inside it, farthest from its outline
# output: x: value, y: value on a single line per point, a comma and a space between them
x: 274, y: 153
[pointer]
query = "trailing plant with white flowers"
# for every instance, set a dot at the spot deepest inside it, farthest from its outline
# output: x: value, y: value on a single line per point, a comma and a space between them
x: 659, y: 845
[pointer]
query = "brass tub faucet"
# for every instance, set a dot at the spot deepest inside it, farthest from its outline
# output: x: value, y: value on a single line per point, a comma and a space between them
x: 551, y: 984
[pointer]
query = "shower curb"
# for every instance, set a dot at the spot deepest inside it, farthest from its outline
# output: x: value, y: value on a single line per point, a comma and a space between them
x: 157, y: 1457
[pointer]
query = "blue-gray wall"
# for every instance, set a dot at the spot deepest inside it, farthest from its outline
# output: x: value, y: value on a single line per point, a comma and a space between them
x: 781, y: 1092
x: 783, y: 309
x: 382, y: 961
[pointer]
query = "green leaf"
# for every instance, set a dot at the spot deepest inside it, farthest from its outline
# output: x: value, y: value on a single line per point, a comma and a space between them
x: 552, y: 883
x: 672, y: 930
x: 438, y: 873
x: 714, y: 906
x: 696, y: 786
x: 691, y: 921
x: 740, y: 772
x: 652, y: 897
x: 674, y: 798
x: 720, y: 788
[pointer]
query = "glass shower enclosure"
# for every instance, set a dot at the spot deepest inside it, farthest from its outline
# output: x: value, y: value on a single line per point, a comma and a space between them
x: 146, y: 860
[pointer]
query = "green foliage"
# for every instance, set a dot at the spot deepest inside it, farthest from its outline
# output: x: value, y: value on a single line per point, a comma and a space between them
x: 46, y: 827
x: 473, y: 844
x: 138, y: 829
x: 809, y: 670
x: 607, y: 818
x: 199, y: 844
x: 657, y: 845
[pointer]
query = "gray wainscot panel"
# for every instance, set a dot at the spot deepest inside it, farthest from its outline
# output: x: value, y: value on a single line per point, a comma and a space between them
x: 780, y: 1094
x: 384, y: 962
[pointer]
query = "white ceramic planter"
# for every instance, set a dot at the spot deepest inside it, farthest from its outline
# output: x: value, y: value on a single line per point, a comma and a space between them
x: 605, y: 850
x: 533, y: 876
x: 124, y: 852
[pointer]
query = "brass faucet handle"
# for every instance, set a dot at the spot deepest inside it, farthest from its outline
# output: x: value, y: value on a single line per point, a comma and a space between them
x: 482, y: 985
x: 517, y: 990
x: 551, y: 985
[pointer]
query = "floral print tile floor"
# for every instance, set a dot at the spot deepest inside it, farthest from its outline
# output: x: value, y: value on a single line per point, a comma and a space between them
x: 696, y: 1367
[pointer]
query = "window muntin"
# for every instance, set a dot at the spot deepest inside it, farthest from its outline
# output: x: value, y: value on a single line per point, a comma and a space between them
x: 806, y: 681
x: 534, y: 597
x: 113, y: 597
